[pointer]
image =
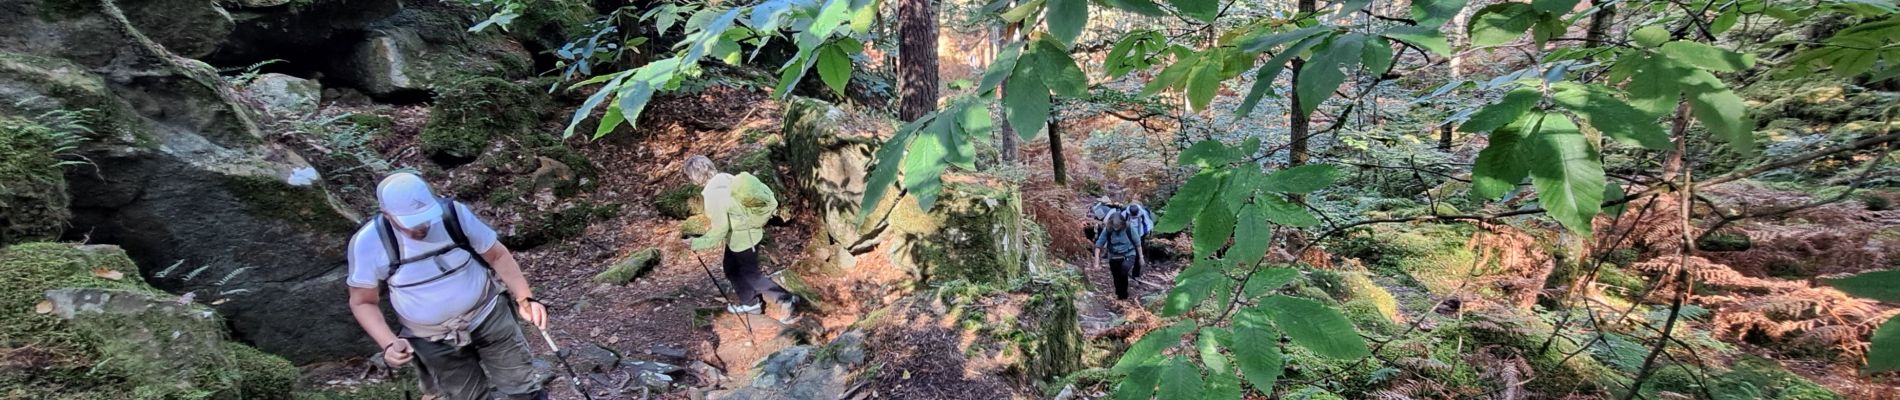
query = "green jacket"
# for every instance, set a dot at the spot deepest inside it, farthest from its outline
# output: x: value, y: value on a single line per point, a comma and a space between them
x: 739, y: 207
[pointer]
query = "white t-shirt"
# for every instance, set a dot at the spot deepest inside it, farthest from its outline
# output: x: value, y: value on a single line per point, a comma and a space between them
x: 432, y: 302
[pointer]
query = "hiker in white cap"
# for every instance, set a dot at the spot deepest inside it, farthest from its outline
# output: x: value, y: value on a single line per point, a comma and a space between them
x: 446, y: 276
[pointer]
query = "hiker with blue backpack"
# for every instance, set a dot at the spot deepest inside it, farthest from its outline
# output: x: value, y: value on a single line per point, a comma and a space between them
x: 1120, y: 238
x: 456, y: 290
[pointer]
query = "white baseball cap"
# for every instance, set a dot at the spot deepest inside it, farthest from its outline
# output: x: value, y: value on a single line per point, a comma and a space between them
x: 407, y: 198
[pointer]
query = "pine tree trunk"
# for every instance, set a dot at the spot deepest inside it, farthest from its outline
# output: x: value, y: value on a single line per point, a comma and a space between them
x: 1600, y: 25
x: 916, y: 58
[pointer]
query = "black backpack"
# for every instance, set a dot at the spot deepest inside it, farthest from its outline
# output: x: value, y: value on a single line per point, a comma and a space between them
x: 451, y: 222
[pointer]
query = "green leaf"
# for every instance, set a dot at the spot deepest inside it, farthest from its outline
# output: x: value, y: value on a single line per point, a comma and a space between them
x: 1191, y: 287
x: 1302, y: 179
x: 1204, y: 10
x: 1263, y: 80
x: 1319, y: 77
x: 1261, y: 44
x: 1027, y: 102
x: 834, y: 67
x: 1500, y: 166
x: 1884, y: 355
x: 1877, y: 285
x: 1267, y: 280
x: 1284, y: 212
x: 1144, y: 8
x: 1212, y: 227
x: 1500, y: 23
x: 1600, y: 107
x: 1188, y: 201
x: 976, y: 124
x: 925, y: 163
x: 1314, y: 326
x: 1259, y: 354
x: 1057, y: 69
x: 1252, y: 236
x: 1203, y: 83
x: 1207, y: 154
x: 1377, y: 56
x: 1435, y: 13
x: 1171, y: 75
x: 1183, y: 380
x: 633, y: 98
x: 1650, y: 36
x: 1241, y: 185
x: 1708, y: 57
x: 1426, y: 38
x: 1002, y: 67
x: 864, y: 16
x: 1559, y: 7
x: 1653, y: 87
x: 1221, y: 381
x: 1149, y: 348
x: 609, y: 121
x: 1548, y: 26
x: 1568, y: 173
x: 1723, y: 22
x: 1140, y: 383
x: 1125, y: 56
x: 587, y: 107
x: 1067, y: 18
x: 1023, y: 12
x: 1720, y: 109
x: 1508, y: 109
x: 890, y: 157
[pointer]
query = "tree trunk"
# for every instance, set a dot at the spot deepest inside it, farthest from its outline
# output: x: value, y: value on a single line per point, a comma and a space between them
x: 916, y: 58
x: 1600, y: 25
x: 1060, y: 166
x: 1301, y: 125
x: 1444, y: 137
x: 1007, y: 143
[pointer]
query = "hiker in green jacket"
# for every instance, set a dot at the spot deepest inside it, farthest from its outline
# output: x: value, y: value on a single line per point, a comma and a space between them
x: 738, y: 207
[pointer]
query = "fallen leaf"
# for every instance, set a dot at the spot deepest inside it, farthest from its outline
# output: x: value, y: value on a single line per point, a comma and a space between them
x: 220, y: 301
x: 108, y: 273
x: 45, y: 307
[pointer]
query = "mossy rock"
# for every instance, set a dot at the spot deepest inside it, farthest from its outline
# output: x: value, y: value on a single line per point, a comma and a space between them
x: 274, y: 198
x: 1432, y: 256
x: 33, y: 197
x: 471, y: 115
x: 975, y: 232
x: 564, y: 224
x: 109, y: 338
x: 34, y: 85
x: 1052, y: 343
x: 1724, y: 242
x: 630, y: 268
x: 680, y: 203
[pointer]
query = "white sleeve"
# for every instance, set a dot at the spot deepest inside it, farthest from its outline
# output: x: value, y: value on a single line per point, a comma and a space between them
x: 481, y: 237
x: 369, y: 261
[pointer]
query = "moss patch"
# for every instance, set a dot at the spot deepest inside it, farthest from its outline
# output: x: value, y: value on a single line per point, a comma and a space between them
x: 1430, y: 256
x: 634, y: 266
x: 975, y: 233
x: 471, y: 115
x: 680, y: 203
x: 33, y: 194
x: 564, y: 224
x: 153, y: 354
x: 273, y: 198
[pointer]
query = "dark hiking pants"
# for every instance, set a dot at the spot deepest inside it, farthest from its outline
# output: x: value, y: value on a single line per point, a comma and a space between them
x: 497, y: 354
x: 1120, y: 268
x: 742, y: 269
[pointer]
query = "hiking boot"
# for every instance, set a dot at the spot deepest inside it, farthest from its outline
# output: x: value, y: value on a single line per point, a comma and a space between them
x: 753, y: 308
x: 788, y: 308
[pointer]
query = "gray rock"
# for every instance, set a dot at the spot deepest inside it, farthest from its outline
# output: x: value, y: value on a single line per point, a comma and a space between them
x: 593, y: 358
x: 667, y: 351
x: 72, y: 302
x: 419, y: 50
x: 285, y: 95
x: 780, y: 367
x: 655, y: 375
x: 181, y: 175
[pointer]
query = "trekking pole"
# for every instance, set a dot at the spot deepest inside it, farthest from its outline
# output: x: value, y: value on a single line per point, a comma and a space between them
x: 722, y: 293
x: 578, y: 385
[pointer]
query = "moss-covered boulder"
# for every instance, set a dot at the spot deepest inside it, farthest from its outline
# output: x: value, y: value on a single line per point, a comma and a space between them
x: 975, y: 232
x: 33, y: 198
x: 96, y: 331
x: 428, y: 48
x: 828, y: 164
x: 471, y: 115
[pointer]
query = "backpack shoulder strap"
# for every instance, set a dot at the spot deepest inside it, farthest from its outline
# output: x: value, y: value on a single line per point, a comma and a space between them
x: 452, y: 223
x: 390, y: 247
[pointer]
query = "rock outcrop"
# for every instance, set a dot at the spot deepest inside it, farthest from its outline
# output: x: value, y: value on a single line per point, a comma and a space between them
x: 33, y: 198
x: 422, y: 49
x: 101, y: 333
x: 179, y: 174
